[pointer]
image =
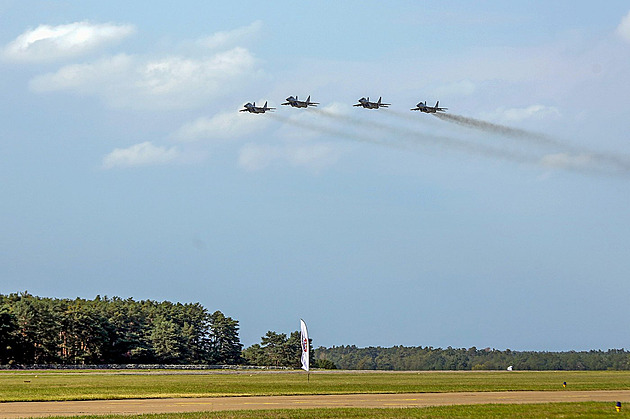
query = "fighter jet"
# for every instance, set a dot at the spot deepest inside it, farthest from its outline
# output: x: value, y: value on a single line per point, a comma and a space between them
x: 294, y: 102
x: 422, y: 107
x: 252, y: 108
x: 371, y: 105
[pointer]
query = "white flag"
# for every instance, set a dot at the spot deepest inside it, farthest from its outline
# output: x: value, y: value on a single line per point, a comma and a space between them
x: 304, y: 341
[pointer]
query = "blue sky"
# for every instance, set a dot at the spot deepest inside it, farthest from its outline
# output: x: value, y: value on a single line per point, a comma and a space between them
x: 125, y: 168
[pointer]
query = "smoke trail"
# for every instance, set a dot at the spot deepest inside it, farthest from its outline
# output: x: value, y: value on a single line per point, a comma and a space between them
x: 495, y: 128
x: 409, y: 139
x: 586, y: 161
x: 412, y: 135
x: 409, y: 116
x: 322, y: 129
x: 538, y: 139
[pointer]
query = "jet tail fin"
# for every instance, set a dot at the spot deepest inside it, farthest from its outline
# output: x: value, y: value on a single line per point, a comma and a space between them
x: 437, y: 104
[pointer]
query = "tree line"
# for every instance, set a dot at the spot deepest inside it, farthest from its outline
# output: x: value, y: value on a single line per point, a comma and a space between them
x: 38, y: 330
x: 428, y: 358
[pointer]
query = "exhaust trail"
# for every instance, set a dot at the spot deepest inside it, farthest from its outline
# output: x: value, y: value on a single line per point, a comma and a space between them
x: 410, y: 139
x: 322, y: 129
x: 413, y: 136
x: 495, y: 128
x: 371, y: 139
x: 537, y: 139
x: 409, y: 116
x: 586, y: 162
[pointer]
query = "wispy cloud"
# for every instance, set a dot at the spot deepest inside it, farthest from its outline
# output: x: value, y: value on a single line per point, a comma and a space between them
x: 143, y: 154
x: 623, y: 30
x: 458, y: 88
x: 227, y: 39
x: 222, y: 126
x: 510, y: 115
x: 137, y: 82
x: 50, y: 43
x: 566, y: 161
x: 313, y: 156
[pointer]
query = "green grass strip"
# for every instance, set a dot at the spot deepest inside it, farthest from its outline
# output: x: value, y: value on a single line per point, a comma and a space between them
x: 527, y: 411
x: 49, y: 386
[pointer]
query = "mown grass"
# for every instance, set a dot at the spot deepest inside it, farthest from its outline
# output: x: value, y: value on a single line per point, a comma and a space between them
x: 527, y: 411
x: 90, y: 385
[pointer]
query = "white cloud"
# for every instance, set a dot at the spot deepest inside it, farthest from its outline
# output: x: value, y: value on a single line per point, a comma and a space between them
x: 559, y: 66
x: 294, y: 150
x: 49, y: 43
x: 143, y: 154
x: 566, y: 161
x: 536, y: 112
x: 173, y: 82
x: 458, y: 88
x: 231, y: 38
x: 338, y: 108
x: 222, y: 126
x: 84, y: 78
x: 623, y: 30
x: 312, y: 155
x: 257, y: 156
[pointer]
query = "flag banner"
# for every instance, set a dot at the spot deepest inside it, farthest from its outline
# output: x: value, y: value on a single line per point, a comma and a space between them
x: 305, y: 346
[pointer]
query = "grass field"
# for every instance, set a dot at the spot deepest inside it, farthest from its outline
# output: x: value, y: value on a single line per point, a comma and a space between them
x: 90, y: 385
x: 528, y: 411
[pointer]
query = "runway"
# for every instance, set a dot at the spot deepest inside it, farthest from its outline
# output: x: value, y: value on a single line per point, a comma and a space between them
x: 142, y: 406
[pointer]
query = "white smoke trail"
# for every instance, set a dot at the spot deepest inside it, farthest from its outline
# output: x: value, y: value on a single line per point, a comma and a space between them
x: 324, y: 129
x: 606, y: 160
x: 415, y: 117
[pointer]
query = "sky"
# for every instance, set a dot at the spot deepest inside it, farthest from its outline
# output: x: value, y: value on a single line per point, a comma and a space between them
x: 127, y: 170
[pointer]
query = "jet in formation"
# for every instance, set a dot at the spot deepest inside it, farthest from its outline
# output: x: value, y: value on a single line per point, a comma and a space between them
x: 252, y: 108
x: 364, y: 102
x: 422, y: 107
x: 294, y: 102
x: 371, y: 105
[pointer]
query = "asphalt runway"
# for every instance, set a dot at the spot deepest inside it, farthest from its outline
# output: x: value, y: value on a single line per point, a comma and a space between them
x: 141, y: 406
